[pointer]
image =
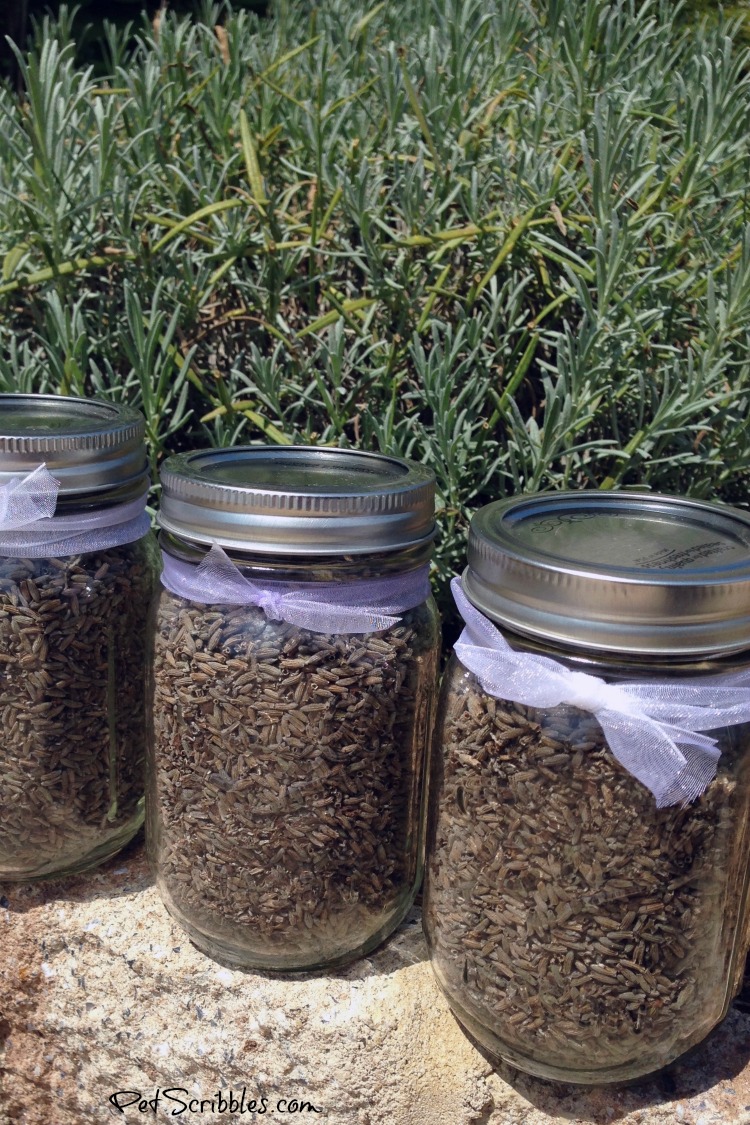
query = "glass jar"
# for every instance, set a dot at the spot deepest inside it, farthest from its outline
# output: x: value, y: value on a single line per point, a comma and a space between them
x: 580, y: 932
x: 284, y: 793
x: 75, y: 585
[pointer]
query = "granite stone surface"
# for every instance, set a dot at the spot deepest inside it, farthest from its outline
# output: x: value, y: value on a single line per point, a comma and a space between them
x: 103, y: 993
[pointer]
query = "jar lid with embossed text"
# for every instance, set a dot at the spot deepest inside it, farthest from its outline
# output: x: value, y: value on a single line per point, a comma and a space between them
x: 627, y: 572
x: 301, y: 500
x: 95, y: 449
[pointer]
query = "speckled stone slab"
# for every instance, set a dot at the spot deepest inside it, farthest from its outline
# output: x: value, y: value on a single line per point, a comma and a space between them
x: 102, y: 994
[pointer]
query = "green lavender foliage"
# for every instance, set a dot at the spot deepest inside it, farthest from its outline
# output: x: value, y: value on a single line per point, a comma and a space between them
x: 698, y: 9
x: 509, y: 240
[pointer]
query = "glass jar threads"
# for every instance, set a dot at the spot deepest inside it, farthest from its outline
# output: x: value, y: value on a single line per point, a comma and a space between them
x: 294, y: 668
x: 77, y: 571
x: 587, y: 853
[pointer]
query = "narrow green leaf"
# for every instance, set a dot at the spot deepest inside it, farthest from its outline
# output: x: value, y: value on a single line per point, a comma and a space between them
x: 498, y: 99
x: 506, y: 248
x: 246, y: 407
x: 611, y: 482
x: 251, y: 163
x: 560, y: 299
x: 411, y: 94
x: 325, y: 221
x: 170, y: 224
x: 216, y: 276
x: 362, y: 23
x: 657, y: 195
x: 434, y: 290
x: 515, y: 380
x: 12, y: 259
x: 202, y: 213
x: 266, y: 81
x: 267, y: 428
x: 415, y: 240
x: 351, y: 97
x: 62, y: 269
x: 289, y: 56
x: 335, y: 314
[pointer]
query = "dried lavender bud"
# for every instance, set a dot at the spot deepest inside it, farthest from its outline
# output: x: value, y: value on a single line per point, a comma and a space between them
x: 72, y: 706
x: 577, y: 929
x: 284, y: 811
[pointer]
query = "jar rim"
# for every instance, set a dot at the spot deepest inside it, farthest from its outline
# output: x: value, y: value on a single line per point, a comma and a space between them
x: 297, y: 500
x: 628, y: 572
x: 91, y: 446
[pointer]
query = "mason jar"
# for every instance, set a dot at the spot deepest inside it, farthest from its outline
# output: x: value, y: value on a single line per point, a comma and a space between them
x: 294, y: 669
x: 77, y: 570
x: 587, y: 851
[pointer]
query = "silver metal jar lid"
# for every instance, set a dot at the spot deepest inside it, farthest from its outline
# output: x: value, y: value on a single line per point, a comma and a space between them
x: 297, y: 500
x: 624, y: 572
x: 91, y: 447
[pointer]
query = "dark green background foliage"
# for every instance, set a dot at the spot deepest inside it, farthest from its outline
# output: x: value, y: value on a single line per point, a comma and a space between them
x: 88, y: 24
x: 509, y: 240
x: 694, y: 9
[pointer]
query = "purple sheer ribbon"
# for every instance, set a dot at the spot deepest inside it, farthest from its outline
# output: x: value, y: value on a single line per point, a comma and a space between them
x: 29, y: 529
x: 26, y: 499
x: 652, y: 727
x: 362, y: 606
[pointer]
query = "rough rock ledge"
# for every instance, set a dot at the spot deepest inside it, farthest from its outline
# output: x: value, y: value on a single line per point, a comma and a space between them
x: 101, y: 992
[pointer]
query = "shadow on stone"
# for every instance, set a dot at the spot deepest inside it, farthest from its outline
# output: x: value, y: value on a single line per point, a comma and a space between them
x: 126, y: 873
x: 405, y: 947
x: 720, y: 1058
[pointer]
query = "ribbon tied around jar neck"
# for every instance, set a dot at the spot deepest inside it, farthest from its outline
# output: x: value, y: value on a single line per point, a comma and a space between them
x: 30, y: 529
x: 363, y: 605
x: 653, y: 728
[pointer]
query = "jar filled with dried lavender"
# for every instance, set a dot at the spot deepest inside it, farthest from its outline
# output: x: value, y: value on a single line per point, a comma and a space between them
x: 587, y: 853
x: 78, y: 565
x: 294, y: 669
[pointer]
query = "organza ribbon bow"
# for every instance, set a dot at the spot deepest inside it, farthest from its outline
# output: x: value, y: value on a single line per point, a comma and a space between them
x: 362, y: 606
x: 652, y: 727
